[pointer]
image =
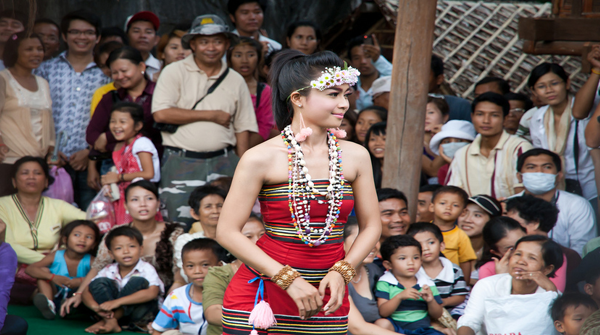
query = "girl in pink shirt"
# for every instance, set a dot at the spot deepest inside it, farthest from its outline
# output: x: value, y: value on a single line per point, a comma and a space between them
x: 500, y: 235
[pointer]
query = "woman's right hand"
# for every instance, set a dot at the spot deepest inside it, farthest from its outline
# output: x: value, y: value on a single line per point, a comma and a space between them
x: 306, y: 297
x: 73, y: 301
x: 502, y: 264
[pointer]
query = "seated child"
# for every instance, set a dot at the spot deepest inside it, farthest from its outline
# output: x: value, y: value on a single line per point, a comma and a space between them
x: 405, y: 300
x: 447, y: 204
x: 60, y: 273
x: 183, y: 308
x: 447, y: 276
x: 570, y: 311
x: 592, y: 284
x: 125, y: 292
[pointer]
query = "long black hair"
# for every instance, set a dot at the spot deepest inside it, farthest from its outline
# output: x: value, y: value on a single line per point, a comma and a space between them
x: 377, y: 129
x: 493, y: 231
x: 292, y: 70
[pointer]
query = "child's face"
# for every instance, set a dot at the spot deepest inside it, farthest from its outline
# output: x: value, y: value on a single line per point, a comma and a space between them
x: 82, y: 239
x: 244, y: 60
x: 405, y: 262
x: 448, y: 206
x: 196, y: 264
x: 253, y: 230
x: 122, y: 126
x: 430, y: 245
x: 125, y: 250
x: 573, y: 319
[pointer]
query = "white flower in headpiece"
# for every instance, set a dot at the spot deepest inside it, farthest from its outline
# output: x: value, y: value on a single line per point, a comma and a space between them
x: 335, y: 76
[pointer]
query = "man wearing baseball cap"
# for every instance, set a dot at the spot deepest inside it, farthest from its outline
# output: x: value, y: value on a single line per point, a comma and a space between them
x: 141, y: 31
x: 208, y: 114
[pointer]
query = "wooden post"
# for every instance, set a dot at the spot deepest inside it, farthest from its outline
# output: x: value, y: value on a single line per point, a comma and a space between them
x: 410, y: 83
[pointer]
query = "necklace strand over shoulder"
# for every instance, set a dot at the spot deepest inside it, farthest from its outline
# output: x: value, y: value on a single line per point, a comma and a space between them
x: 301, y: 189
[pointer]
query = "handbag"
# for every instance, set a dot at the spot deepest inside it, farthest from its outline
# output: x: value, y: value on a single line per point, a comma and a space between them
x: 172, y: 128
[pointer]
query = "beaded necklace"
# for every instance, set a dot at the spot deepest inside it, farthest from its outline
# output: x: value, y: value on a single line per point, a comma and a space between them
x: 301, y: 189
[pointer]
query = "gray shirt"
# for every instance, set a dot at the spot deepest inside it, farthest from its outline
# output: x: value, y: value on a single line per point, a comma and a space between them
x: 367, y: 307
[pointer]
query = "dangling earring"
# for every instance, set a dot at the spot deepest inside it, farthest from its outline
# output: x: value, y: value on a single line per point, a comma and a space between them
x: 304, y: 131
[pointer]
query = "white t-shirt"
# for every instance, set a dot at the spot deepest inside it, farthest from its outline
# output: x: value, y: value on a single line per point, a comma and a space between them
x: 143, y: 144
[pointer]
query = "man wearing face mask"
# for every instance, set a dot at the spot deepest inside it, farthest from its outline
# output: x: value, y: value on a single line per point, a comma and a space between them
x: 540, y: 171
x: 455, y: 134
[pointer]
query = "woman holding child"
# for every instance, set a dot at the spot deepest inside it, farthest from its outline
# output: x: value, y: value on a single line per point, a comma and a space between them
x: 309, y: 94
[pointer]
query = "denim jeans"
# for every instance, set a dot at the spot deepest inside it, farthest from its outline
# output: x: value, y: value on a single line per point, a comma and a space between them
x: 14, y: 325
x: 105, y: 289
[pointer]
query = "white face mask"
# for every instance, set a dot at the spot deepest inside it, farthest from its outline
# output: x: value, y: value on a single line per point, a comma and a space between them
x: 539, y: 182
x: 450, y: 149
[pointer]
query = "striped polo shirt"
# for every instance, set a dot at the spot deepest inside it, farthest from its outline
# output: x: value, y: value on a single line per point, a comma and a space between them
x: 449, y: 282
x: 411, y: 314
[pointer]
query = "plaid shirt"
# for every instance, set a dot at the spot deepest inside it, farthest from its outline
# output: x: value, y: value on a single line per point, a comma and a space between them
x: 71, y: 94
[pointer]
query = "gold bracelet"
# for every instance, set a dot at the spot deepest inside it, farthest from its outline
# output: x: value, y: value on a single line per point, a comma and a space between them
x: 285, y: 277
x: 345, y: 269
x: 594, y: 71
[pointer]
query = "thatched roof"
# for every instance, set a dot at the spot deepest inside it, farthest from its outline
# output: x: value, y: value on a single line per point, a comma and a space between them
x: 479, y: 39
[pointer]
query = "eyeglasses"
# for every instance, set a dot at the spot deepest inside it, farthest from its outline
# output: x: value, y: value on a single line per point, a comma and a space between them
x: 436, y: 96
x: 87, y: 33
x: 517, y: 111
x: 543, y: 87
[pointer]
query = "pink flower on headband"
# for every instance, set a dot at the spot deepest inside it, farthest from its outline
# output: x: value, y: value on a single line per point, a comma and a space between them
x: 14, y: 37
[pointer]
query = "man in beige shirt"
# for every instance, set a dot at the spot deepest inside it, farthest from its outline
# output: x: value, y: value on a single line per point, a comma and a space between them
x: 489, y: 164
x: 204, y: 133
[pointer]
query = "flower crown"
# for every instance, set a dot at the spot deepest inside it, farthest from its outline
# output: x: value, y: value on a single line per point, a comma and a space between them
x: 334, y: 76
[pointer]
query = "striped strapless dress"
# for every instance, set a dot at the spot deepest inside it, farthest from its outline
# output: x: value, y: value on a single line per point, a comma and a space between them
x: 281, y: 242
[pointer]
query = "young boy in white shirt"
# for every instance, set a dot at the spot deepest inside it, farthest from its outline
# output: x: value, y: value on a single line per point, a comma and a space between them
x: 125, y: 292
x: 183, y: 308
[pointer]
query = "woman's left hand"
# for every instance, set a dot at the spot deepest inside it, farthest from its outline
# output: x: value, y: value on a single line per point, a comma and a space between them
x: 337, y: 287
x: 109, y: 178
x: 539, y: 278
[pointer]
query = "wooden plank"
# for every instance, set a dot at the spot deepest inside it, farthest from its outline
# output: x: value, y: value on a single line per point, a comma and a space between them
x: 553, y: 48
x: 406, y: 118
x: 559, y: 29
x: 576, y: 8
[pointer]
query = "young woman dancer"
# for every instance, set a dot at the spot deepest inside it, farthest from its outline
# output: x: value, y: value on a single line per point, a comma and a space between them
x: 299, y: 267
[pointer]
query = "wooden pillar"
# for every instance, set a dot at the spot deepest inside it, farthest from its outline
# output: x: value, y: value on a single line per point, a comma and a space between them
x: 408, y: 98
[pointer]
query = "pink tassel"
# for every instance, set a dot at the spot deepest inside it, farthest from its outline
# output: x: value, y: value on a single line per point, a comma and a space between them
x: 254, y: 332
x: 262, y: 316
x: 339, y: 133
x: 303, y: 134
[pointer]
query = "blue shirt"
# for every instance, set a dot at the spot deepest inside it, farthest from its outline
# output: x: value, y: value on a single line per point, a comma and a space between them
x: 71, y: 94
x: 365, y: 98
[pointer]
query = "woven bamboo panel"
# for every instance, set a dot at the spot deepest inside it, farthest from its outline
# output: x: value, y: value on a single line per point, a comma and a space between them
x: 480, y: 39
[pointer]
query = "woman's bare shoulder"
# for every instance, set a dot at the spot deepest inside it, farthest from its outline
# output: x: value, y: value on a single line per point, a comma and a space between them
x: 353, y: 150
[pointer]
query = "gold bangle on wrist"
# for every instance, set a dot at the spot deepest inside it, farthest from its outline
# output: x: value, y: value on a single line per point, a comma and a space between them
x: 285, y: 277
x: 594, y: 71
x: 345, y: 269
